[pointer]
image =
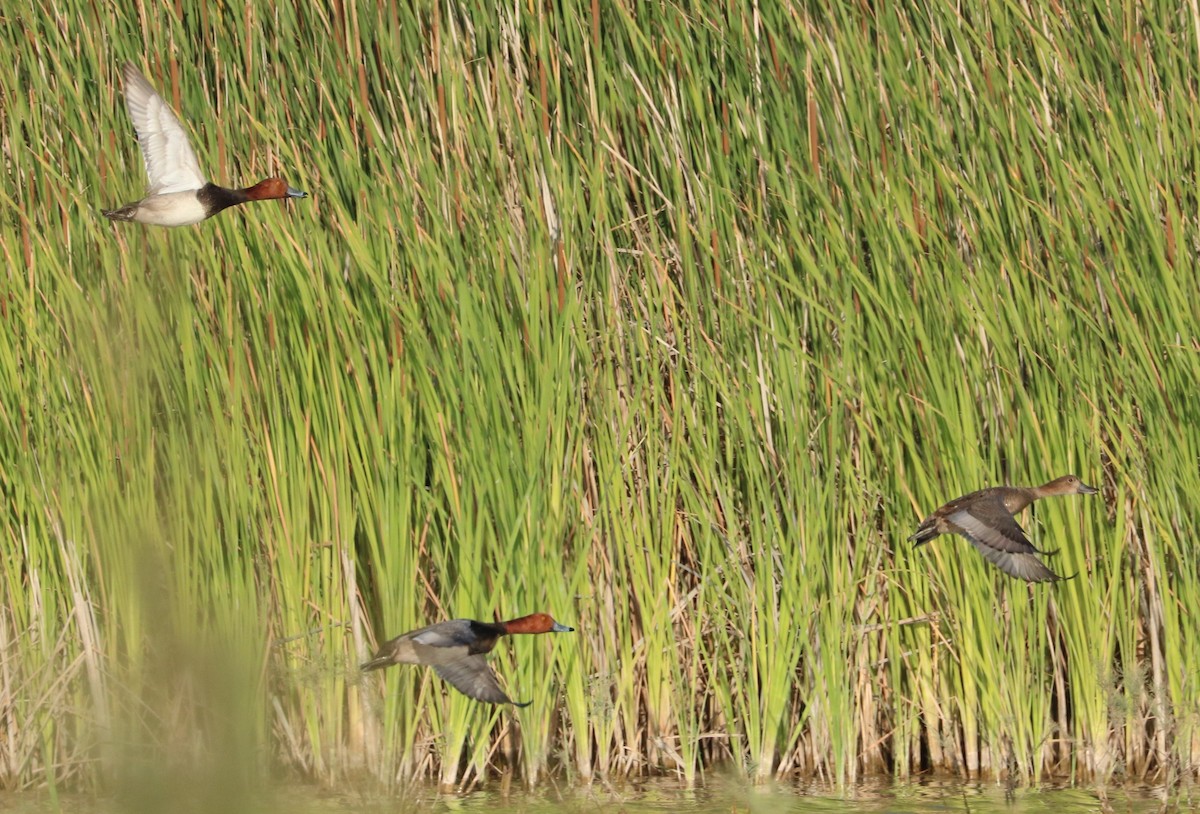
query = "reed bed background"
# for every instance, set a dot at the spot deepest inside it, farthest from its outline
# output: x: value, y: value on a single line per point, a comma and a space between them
x: 671, y: 320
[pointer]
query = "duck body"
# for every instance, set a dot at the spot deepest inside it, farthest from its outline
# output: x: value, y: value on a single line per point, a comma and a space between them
x: 986, y: 519
x: 178, y: 192
x: 457, y: 651
x: 169, y: 209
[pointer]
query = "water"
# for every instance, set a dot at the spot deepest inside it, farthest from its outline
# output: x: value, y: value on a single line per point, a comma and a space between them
x: 739, y: 798
x: 715, y: 797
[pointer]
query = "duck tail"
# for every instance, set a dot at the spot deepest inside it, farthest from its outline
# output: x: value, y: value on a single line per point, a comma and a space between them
x: 124, y: 213
x: 924, y: 533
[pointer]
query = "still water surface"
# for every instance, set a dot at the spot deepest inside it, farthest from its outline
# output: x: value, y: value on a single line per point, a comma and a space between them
x: 738, y: 798
x: 662, y: 796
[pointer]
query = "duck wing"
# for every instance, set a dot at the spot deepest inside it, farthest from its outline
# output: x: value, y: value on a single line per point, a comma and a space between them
x: 474, y: 678
x: 989, y: 523
x: 1001, y: 540
x: 1022, y: 566
x: 453, y: 634
x: 171, y: 165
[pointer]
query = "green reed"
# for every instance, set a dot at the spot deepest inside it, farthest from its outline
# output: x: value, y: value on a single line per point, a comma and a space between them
x: 670, y: 321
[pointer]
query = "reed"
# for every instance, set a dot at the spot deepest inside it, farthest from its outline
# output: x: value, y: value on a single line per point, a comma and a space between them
x: 671, y: 321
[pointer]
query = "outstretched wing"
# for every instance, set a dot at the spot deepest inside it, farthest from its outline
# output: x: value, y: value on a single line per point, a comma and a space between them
x: 474, y: 678
x: 1002, y: 541
x: 1022, y: 566
x: 990, y: 524
x: 171, y: 166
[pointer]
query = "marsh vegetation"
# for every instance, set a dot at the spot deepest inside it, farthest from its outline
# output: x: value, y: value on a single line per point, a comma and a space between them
x: 672, y: 321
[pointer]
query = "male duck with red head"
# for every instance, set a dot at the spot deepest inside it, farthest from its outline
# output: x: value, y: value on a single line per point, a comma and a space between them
x: 457, y: 651
x: 178, y: 193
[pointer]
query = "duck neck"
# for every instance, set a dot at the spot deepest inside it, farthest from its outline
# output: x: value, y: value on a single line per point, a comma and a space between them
x: 1018, y: 497
x: 216, y: 198
x: 1051, y: 489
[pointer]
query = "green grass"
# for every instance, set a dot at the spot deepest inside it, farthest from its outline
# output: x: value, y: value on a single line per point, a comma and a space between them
x: 669, y: 320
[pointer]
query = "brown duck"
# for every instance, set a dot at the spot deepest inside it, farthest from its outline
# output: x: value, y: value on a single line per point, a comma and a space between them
x: 457, y: 651
x: 986, y: 518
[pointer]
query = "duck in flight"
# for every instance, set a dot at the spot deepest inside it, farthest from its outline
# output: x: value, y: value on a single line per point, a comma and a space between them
x: 178, y: 193
x: 457, y: 651
x: 987, y: 519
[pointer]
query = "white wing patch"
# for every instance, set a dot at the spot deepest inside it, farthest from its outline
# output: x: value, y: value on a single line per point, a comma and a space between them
x: 171, y: 165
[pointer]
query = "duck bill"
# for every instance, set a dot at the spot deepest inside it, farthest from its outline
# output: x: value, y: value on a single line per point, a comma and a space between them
x: 292, y: 192
x: 561, y: 628
x: 1084, y: 489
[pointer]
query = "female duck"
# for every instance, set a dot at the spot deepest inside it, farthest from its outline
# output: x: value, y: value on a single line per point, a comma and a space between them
x: 457, y: 651
x: 986, y: 518
x: 178, y: 193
